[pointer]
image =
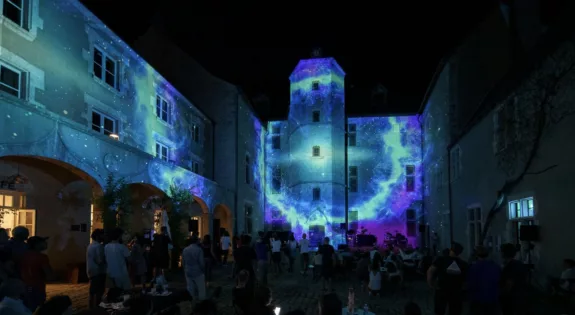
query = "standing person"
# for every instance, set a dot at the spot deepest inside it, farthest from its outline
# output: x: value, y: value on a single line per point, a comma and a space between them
x: 12, y: 291
x: 209, y: 258
x: 161, y: 252
x: 245, y: 257
x: 304, y: 254
x: 34, y: 271
x: 374, y: 279
x: 116, y: 255
x: 291, y: 250
x: 483, y: 284
x: 513, y: 282
x: 96, y: 268
x: 262, y: 249
x: 225, y: 246
x: 329, y: 260
x: 138, y: 262
x: 16, y: 246
x: 194, y: 266
x: 447, y: 277
x: 276, y: 246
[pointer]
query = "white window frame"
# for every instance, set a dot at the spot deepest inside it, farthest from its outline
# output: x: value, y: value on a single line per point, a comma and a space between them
x: 31, y: 227
x: 351, y: 134
x: 477, y: 222
x: 160, y: 155
x: 353, y: 177
x: 316, y: 151
x: 102, y: 76
x: 15, y: 199
x: 101, y: 126
x: 276, y: 176
x: 455, y: 163
x: 24, y: 9
x: 20, y: 79
x: 163, y: 106
x: 195, y: 133
x: 316, y: 194
x: 409, y: 177
x: 526, y: 209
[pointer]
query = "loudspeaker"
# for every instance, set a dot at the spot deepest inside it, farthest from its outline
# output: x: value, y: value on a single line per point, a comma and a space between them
x: 529, y: 233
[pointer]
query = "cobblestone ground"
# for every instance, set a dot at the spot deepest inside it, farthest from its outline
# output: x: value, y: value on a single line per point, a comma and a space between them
x: 292, y: 291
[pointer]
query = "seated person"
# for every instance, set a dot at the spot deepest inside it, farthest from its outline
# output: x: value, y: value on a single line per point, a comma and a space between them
x: 240, y: 295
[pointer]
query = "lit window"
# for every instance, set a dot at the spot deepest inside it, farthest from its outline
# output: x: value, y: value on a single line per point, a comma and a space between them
x: 6, y: 201
x: 162, y: 152
x: 316, y: 194
x: 315, y: 116
x: 195, y: 133
x: 105, y: 68
x: 316, y: 151
x: 162, y: 109
x: 14, y: 11
x: 103, y: 124
x: 315, y: 85
x: 523, y: 208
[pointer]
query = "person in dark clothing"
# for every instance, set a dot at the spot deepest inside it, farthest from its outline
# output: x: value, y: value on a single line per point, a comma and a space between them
x: 411, y: 309
x: 209, y: 257
x: 262, y: 248
x: 161, y: 251
x: 261, y: 303
x: 483, y: 284
x: 447, y: 276
x: 241, y: 298
x: 244, y: 258
x: 513, y: 282
x: 329, y: 260
x: 330, y: 304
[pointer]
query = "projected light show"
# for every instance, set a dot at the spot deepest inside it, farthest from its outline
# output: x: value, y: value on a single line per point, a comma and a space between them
x: 305, y: 161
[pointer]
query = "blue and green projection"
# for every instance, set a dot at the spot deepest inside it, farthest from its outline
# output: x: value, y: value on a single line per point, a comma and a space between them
x: 307, y: 178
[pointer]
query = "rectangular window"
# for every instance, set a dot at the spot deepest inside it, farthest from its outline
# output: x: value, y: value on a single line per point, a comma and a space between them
x: 196, y: 167
x: 474, y: 219
x: 315, y: 116
x: 316, y: 151
x: 455, y: 163
x: 27, y: 218
x: 353, y: 219
x: 195, y: 133
x: 276, y: 180
x: 353, y: 178
x: 276, y: 142
x: 315, y: 85
x: 104, y: 124
x: 248, y: 170
x: 316, y: 194
x: 248, y: 219
x: 105, y: 68
x: 276, y: 130
x: 410, y: 178
x: 521, y: 209
x: 14, y: 11
x: 162, y: 109
x: 10, y: 81
x: 411, y: 222
x: 7, y: 201
x: 162, y: 152
x: 352, y: 135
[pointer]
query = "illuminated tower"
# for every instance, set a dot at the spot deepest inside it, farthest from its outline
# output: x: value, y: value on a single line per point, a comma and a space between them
x: 316, y: 135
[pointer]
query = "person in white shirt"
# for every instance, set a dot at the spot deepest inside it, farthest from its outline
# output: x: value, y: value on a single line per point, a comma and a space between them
x: 96, y: 268
x: 225, y: 245
x: 116, y: 255
x: 317, y: 264
x: 374, y: 279
x: 276, y: 245
x: 304, y: 251
x: 194, y: 266
x: 12, y: 289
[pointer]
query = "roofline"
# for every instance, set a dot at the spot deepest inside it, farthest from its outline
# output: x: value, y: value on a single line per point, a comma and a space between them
x: 89, y: 14
x: 431, y: 87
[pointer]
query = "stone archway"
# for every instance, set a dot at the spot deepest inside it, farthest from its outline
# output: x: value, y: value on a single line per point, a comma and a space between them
x: 222, y: 219
x: 53, y: 199
x: 201, y: 214
x: 146, y: 207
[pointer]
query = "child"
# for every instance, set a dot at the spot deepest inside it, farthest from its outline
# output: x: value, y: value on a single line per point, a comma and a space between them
x: 317, y: 262
x: 374, y: 279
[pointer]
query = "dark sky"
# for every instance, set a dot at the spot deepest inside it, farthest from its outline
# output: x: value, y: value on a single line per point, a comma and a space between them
x: 396, y: 43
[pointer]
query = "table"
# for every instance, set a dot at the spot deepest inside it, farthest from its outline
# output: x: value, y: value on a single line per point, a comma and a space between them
x: 356, y: 312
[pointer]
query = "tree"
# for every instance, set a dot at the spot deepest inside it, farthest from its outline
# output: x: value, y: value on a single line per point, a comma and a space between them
x: 522, y: 120
x: 114, y: 204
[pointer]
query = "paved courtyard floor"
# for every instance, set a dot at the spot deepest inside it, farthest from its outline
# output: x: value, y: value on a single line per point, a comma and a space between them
x: 292, y: 291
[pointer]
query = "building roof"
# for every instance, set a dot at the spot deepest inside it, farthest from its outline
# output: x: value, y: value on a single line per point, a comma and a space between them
x: 315, y: 63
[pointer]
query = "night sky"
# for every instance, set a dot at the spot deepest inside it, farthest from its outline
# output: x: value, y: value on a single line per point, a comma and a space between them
x: 397, y: 44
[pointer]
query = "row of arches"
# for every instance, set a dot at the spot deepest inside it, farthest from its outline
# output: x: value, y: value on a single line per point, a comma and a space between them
x: 55, y: 199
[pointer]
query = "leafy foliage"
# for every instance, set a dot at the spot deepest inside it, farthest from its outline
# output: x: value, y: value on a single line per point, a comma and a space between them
x: 543, y: 100
x: 114, y: 204
x: 180, y: 198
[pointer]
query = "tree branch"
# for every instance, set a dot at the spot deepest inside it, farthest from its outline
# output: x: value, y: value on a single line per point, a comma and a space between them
x: 543, y: 170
